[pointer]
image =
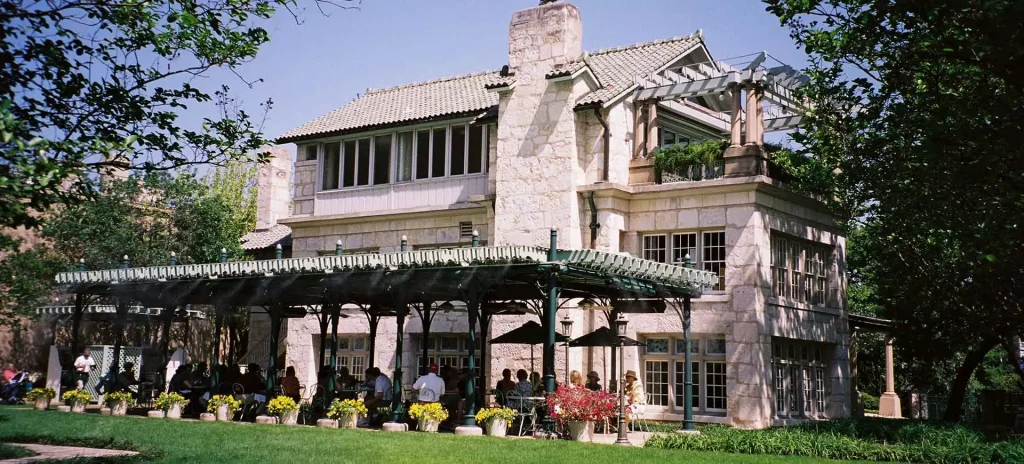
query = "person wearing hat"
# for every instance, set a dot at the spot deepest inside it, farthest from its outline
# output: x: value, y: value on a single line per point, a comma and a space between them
x: 593, y: 381
x: 429, y: 387
x: 634, y: 394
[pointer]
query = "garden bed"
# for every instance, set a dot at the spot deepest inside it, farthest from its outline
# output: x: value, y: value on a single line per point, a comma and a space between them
x: 865, y: 439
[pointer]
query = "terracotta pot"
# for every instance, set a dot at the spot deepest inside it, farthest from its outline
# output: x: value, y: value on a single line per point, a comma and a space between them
x: 496, y: 427
x: 119, y: 408
x: 580, y: 430
x: 428, y: 425
x: 173, y: 412
x: 77, y: 407
x: 223, y: 415
x: 289, y: 417
x: 349, y: 421
x: 42, y: 404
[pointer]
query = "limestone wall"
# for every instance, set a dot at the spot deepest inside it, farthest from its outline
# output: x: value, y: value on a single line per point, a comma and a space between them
x: 304, y: 186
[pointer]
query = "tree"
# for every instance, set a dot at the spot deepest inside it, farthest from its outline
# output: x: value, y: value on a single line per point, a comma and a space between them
x: 91, y: 86
x: 916, y: 112
x: 26, y: 281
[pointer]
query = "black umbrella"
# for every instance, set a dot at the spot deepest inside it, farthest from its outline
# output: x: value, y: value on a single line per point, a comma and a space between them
x: 531, y: 333
x: 603, y: 337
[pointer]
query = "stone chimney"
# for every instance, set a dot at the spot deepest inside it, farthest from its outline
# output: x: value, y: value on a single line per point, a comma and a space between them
x: 273, y: 197
x: 536, y: 172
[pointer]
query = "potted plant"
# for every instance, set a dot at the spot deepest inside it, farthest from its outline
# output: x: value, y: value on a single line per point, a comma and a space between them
x: 171, y: 404
x: 118, y: 402
x: 347, y: 412
x: 285, y: 409
x: 428, y: 415
x: 579, y: 408
x: 41, y: 397
x: 223, y: 406
x: 77, y: 399
x: 495, y: 420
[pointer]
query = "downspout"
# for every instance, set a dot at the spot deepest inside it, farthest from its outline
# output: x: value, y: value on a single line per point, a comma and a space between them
x: 594, y: 225
x: 607, y: 149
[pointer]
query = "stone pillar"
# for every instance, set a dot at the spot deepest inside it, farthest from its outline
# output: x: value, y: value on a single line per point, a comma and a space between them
x: 759, y: 111
x: 750, y: 158
x: 889, y: 403
x: 856, y: 403
x: 752, y: 104
x: 736, y: 122
x: 273, y: 194
x: 537, y: 132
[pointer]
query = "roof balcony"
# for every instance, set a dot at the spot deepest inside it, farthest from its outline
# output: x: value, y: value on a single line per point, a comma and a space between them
x: 438, y: 193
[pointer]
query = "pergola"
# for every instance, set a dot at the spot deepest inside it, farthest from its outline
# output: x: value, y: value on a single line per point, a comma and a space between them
x: 487, y: 280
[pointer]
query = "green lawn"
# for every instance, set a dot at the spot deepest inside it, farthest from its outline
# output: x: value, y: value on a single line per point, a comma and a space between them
x: 177, y: 441
x: 9, y: 452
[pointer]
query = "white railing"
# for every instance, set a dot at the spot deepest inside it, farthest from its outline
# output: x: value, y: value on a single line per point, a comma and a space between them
x: 417, y: 194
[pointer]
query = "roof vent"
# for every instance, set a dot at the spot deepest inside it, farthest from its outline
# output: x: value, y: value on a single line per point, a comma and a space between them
x: 465, y: 230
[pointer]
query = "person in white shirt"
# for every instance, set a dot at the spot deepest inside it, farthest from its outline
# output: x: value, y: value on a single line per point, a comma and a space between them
x: 429, y: 387
x: 381, y: 390
x: 83, y: 365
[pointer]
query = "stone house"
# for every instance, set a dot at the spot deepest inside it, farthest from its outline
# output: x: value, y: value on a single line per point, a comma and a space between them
x: 563, y: 139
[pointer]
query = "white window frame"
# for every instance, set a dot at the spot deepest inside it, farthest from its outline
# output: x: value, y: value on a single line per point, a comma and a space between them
x: 800, y: 270
x: 696, y: 261
x: 434, y: 352
x: 675, y: 358
x: 351, y: 353
x: 800, y: 383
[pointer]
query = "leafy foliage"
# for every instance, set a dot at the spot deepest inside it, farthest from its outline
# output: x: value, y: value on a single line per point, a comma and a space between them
x: 342, y: 408
x: 569, y: 403
x: 485, y: 415
x: 114, y: 397
x: 428, y: 411
x: 41, y: 393
x: 216, y: 401
x: 917, y: 110
x: 72, y: 397
x: 26, y: 281
x: 281, y: 404
x: 168, y: 399
x: 690, y: 161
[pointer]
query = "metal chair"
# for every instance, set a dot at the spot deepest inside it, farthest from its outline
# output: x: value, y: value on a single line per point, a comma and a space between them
x: 525, y: 410
x: 316, y: 391
x: 637, y: 419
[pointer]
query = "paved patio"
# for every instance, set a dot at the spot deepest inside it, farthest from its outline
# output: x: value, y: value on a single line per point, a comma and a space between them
x: 60, y: 453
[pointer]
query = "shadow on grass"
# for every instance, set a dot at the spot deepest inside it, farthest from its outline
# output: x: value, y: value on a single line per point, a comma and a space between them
x: 145, y: 455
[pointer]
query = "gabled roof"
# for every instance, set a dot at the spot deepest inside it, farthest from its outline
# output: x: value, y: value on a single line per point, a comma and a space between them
x: 616, y: 69
x: 260, y: 239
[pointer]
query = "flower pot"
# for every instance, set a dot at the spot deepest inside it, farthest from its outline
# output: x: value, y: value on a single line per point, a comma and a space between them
x: 223, y: 415
x: 496, y: 428
x: 42, y: 404
x: 428, y: 425
x: 77, y: 407
x: 580, y: 430
x: 349, y: 421
x: 289, y: 417
x: 119, y: 408
x: 173, y: 412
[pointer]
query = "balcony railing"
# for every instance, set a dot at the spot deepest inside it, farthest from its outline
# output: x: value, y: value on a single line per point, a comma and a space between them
x: 694, y: 173
x: 417, y: 194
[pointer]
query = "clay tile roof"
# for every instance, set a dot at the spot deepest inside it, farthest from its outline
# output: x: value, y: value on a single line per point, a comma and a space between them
x: 616, y: 70
x: 410, y: 102
x: 260, y: 239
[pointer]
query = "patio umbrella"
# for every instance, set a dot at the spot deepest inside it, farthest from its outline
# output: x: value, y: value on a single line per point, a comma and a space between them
x: 603, y: 337
x: 530, y: 333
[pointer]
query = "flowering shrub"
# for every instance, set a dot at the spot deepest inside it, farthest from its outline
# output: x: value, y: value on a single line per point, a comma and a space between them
x: 281, y: 404
x: 119, y: 396
x: 428, y: 411
x: 341, y: 409
x: 166, y: 400
x: 580, y: 404
x: 221, y: 400
x: 76, y: 397
x: 488, y: 414
x: 41, y: 393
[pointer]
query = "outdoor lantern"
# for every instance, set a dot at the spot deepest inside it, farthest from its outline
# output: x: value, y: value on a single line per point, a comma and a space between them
x: 620, y: 330
x: 566, y: 325
x: 566, y: 330
x: 620, y: 325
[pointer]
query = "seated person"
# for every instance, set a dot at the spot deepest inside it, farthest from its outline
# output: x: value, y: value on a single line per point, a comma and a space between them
x: 124, y: 379
x: 382, y: 390
x: 523, y: 388
x: 429, y: 387
x: 506, y: 383
x: 9, y: 373
x: 538, y: 386
x: 251, y: 381
x: 290, y: 384
x: 593, y: 381
x: 181, y: 382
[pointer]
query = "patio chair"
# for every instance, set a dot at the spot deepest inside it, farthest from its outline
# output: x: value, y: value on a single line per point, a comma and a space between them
x: 637, y: 421
x: 525, y: 410
x: 316, y: 391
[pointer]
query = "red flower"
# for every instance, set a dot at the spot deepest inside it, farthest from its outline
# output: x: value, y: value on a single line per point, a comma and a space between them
x: 570, y: 403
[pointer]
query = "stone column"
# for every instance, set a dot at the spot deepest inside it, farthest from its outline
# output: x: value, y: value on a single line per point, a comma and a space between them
x: 752, y: 104
x: 759, y: 123
x: 736, y: 123
x: 889, y: 403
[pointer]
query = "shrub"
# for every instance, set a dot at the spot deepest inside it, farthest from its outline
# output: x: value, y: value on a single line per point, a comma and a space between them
x: 280, y: 405
x: 109, y: 398
x: 223, y: 400
x: 685, y: 160
x: 870, y: 401
x: 486, y: 415
x: 166, y: 400
x: 428, y: 411
x: 570, y: 403
x: 854, y: 439
x: 341, y: 409
x: 72, y: 397
x: 41, y: 393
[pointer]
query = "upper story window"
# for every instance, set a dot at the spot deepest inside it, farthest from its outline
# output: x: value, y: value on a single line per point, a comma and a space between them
x: 799, y: 270
x: 668, y: 137
x: 673, y: 248
x: 402, y: 156
x: 308, y: 152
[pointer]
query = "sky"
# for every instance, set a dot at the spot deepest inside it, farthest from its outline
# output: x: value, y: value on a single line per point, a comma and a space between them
x: 311, y: 68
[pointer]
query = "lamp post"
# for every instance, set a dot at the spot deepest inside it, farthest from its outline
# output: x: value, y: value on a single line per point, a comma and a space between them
x: 620, y: 330
x: 566, y: 330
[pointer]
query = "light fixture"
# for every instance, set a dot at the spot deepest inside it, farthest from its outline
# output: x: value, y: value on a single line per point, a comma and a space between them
x: 620, y: 330
x: 566, y: 330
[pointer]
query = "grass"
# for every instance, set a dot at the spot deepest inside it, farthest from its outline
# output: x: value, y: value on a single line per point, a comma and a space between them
x: 167, y: 441
x: 868, y: 439
x: 11, y: 452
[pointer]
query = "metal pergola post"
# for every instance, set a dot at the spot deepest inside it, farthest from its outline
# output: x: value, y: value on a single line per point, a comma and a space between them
x: 335, y: 313
x: 119, y: 319
x: 549, y: 315
x: 472, y: 308
x: 166, y: 318
x: 218, y: 323
x: 401, y: 310
x: 426, y: 312
x: 687, y: 369
x: 374, y: 320
x: 276, y: 313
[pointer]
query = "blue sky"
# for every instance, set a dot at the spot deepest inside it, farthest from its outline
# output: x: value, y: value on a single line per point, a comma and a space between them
x: 311, y: 68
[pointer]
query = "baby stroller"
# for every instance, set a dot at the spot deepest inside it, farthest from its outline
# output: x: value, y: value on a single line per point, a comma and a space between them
x: 14, y: 391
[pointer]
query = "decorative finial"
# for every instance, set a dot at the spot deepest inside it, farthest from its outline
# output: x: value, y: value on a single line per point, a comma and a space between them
x: 338, y: 243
